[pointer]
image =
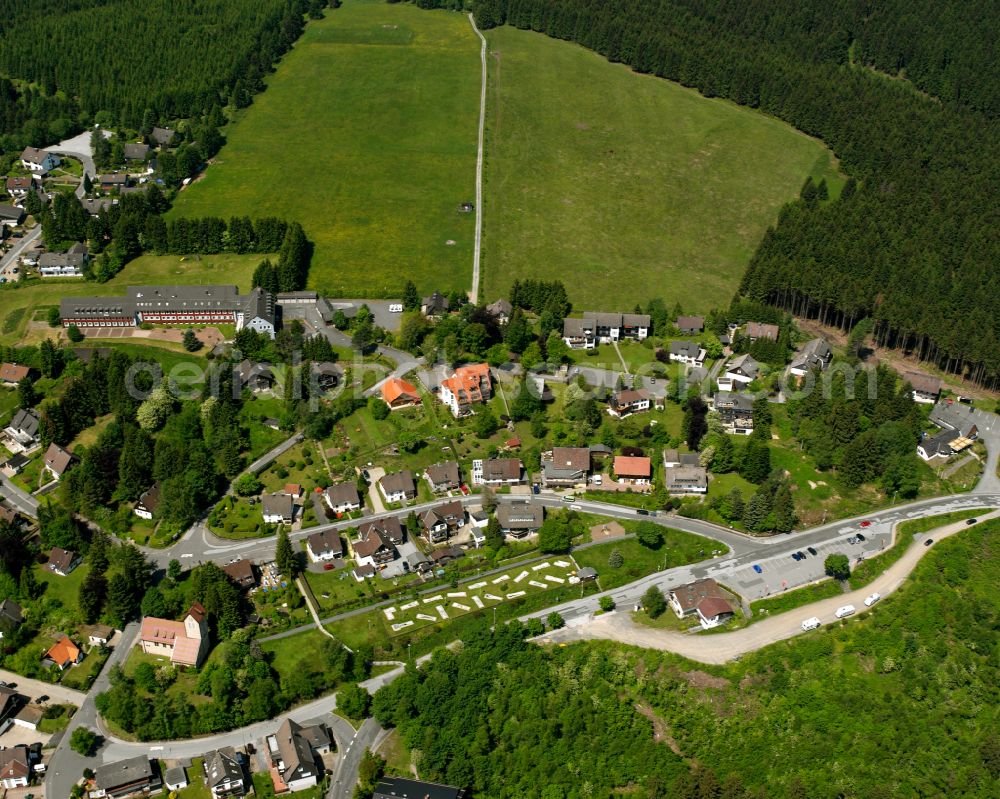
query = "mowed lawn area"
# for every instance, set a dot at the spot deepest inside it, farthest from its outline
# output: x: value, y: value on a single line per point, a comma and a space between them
x: 626, y: 186
x: 366, y: 135
x: 147, y: 269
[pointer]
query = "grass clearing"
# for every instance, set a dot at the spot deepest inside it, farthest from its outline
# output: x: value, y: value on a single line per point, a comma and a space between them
x: 633, y: 186
x: 380, y: 101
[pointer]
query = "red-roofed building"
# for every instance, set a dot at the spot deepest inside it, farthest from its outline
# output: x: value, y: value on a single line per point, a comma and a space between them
x: 13, y: 373
x: 64, y: 653
x: 398, y: 393
x: 633, y: 469
x: 184, y: 642
x: 469, y: 385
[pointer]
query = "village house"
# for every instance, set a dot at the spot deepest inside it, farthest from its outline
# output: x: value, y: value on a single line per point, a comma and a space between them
x: 11, y: 215
x: 468, y: 386
x: 226, y: 772
x: 98, y: 634
x: 136, y: 152
x: 958, y: 431
x: 94, y: 206
x: 688, y: 352
x: 324, y: 546
x: 628, y: 401
x: 62, y: 561
x: 255, y: 377
x: 342, y: 497
x: 325, y: 374
x: 57, y: 461
x: 735, y: 411
x: 435, y: 305
x: 149, y: 501
x: 242, y: 573
x: 389, y: 526
x: 278, y: 508
x: 15, y: 767
x: 690, y: 325
x: 29, y: 717
x: 926, y: 389
x: 501, y: 471
x: 398, y: 486
x: 756, y: 330
x: 257, y: 313
x: 39, y: 161
x: 686, y: 600
x: 405, y: 788
x: 520, y: 518
x: 565, y: 467
x: 175, y: 779
x: 294, y: 751
x: 686, y: 480
x: 633, y: 470
x: 603, y: 328
x: 500, y: 310
x: 373, y: 547
x: 19, y: 187
x: 61, y: 264
x: 443, y: 477
x: 63, y: 654
x: 133, y: 777
x: 11, y: 617
x: 185, y: 643
x: 440, y: 522
x: 816, y: 354
x: 13, y: 373
x: 114, y: 181
x: 14, y: 464
x: 398, y: 393
x: 738, y: 373
x: 22, y: 432
x: 163, y: 137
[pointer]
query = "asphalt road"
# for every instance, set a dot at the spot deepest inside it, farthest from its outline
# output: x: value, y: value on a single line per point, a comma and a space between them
x: 10, y: 257
x: 18, y: 497
x: 36, y: 688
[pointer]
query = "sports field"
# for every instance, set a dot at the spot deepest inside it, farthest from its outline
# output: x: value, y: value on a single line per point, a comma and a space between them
x: 622, y: 185
x: 366, y: 134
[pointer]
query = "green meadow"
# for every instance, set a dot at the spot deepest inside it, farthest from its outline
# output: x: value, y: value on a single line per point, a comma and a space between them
x: 626, y: 186
x: 366, y: 135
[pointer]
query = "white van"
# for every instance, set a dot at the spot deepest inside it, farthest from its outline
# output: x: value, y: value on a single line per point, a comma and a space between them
x: 844, y: 611
x: 396, y: 307
x: 871, y: 600
x: 811, y: 624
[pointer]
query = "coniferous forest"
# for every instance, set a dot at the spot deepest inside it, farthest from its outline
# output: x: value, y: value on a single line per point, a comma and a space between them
x: 913, y: 240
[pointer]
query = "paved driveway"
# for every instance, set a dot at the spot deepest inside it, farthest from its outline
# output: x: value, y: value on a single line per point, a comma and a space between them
x: 36, y: 688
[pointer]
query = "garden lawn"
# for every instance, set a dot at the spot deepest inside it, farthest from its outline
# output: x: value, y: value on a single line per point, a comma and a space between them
x: 147, y: 269
x: 374, y: 113
x: 624, y: 186
x: 196, y: 783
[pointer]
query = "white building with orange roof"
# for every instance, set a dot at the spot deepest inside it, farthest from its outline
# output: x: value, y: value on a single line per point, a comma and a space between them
x: 398, y: 393
x: 184, y: 642
x: 469, y: 385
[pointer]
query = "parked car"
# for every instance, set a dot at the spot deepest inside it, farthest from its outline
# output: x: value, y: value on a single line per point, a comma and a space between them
x: 872, y: 599
x: 860, y: 537
x: 598, y: 480
x: 396, y: 307
x: 642, y: 511
x: 865, y: 524
x: 757, y: 568
x: 811, y: 624
x: 844, y: 611
x: 569, y: 498
x: 928, y: 542
x: 796, y: 556
x: 971, y: 521
x: 812, y: 551
x: 852, y: 540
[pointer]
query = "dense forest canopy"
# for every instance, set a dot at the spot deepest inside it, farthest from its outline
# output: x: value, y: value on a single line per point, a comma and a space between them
x: 913, y: 241
x: 65, y: 61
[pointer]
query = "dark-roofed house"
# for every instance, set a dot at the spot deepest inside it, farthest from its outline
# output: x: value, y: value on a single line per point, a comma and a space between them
x: 938, y: 446
x: 14, y: 464
x: 225, y: 774
x: 434, y: 305
x: 13, y: 373
x: 681, y: 480
x: 23, y: 430
x: 955, y: 417
x: 342, y: 498
x: 324, y: 546
x: 62, y: 561
x: 11, y: 617
x: 926, y: 389
x: 500, y: 310
x: 398, y: 486
x: 714, y: 611
x: 163, y: 137
x: 257, y: 313
x: 439, y: 522
x: 520, y: 518
x: 57, y: 461
x: 94, y: 206
x: 325, y: 374
x: 242, y: 573
x: 98, y: 634
x: 389, y: 526
x: 740, y: 371
x: 61, y: 264
x: 816, y: 354
x: 689, y: 352
x: 39, y: 161
x: 736, y: 412
x: 11, y: 215
x: 10, y: 701
x: 18, y: 186
x: 15, y: 767
x: 443, y: 476
x: 130, y: 777
x: 113, y: 181
x: 175, y: 779
x: 625, y: 403
x: 149, y: 501
x: 373, y: 547
x: 684, y: 599
x: 567, y: 467
x: 690, y: 325
x: 756, y: 330
x: 136, y: 152
x: 293, y: 757
x: 502, y: 471
x: 254, y: 376
x: 278, y: 508
x: 404, y: 788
